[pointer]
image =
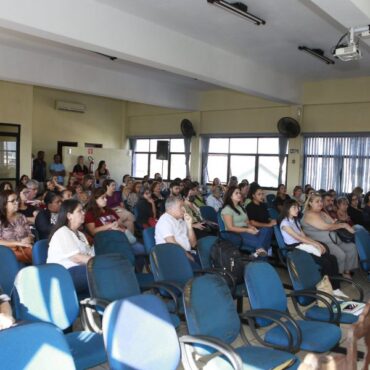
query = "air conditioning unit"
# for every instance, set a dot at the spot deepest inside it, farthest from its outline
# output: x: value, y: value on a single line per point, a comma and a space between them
x: 70, y: 107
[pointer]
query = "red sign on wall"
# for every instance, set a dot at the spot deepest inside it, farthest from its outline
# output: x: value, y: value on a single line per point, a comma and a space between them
x: 90, y: 151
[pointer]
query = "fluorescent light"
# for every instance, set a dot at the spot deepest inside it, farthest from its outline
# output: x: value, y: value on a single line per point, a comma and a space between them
x: 238, y: 8
x: 318, y: 53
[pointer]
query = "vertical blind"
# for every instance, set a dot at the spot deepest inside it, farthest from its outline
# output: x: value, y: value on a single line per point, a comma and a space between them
x: 339, y: 163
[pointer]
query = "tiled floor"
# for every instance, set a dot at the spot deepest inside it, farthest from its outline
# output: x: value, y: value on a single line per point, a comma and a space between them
x: 359, y: 278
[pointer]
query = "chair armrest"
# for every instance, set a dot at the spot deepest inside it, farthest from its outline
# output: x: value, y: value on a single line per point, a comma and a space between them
x: 358, y: 287
x: 318, y: 295
x: 88, y: 306
x: 275, y: 317
x: 188, y: 362
x: 93, y: 302
x: 171, y: 285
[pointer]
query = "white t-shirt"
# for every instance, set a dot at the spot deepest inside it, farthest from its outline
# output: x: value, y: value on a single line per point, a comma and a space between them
x: 214, y: 202
x: 170, y: 226
x: 65, y: 244
x: 288, y: 239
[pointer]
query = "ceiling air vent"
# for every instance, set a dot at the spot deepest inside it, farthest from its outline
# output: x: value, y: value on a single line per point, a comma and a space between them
x: 69, y: 106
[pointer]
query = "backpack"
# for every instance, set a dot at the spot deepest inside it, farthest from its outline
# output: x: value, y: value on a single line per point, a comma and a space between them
x: 226, y: 256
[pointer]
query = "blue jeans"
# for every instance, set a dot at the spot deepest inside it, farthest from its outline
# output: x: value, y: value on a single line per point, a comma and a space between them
x: 260, y: 240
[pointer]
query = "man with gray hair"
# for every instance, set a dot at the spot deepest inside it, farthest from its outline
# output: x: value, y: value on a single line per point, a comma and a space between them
x: 33, y: 188
x: 175, y: 226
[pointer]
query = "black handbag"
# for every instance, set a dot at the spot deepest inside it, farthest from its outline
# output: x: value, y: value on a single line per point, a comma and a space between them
x: 344, y: 235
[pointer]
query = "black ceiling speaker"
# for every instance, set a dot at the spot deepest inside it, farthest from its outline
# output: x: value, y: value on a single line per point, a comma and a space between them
x: 163, y: 150
x: 288, y: 127
x: 187, y: 128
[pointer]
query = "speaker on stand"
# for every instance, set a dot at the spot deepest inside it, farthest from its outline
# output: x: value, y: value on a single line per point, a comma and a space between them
x: 163, y: 151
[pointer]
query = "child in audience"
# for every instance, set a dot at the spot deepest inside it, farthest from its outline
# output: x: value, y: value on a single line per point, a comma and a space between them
x: 294, y: 237
x: 68, y: 246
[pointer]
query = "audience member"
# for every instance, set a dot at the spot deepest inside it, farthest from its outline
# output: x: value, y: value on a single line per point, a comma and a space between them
x: 146, y: 211
x: 68, y: 246
x: 24, y: 179
x: 81, y: 195
x: 66, y: 194
x: 39, y: 167
x: 176, y: 226
x: 342, y: 211
x: 308, y: 191
x: 328, y: 205
x: 281, y: 196
x: 354, y: 212
x: 175, y: 190
x: 114, y: 201
x: 244, y: 191
x: 294, y: 237
x: 233, y: 181
x: 298, y: 195
x: 6, y: 185
x: 125, y: 178
x: 47, y: 218
x: 53, y: 185
x: 319, y: 226
x: 127, y: 189
x: 15, y: 232
x: 101, y: 173
x: 6, y: 315
x: 57, y: 169
x: 80, y: 169
x: 257, y: 211
x: 158, y: 198
x: 26, y: 209
x: 33, y: 188
x: 236, y: 220
x: 215, y: 199
x: 88, y: 184
x: 133, y: 197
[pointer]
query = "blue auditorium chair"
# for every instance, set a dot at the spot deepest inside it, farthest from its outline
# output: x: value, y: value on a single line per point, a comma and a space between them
x: 9, y: 267
x: 362, y: 241
x: 40, y: 252
x: 208, y: 213
x: 149, y: 239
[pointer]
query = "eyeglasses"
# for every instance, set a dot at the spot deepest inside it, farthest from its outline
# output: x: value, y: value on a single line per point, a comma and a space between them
x: 13, y: 201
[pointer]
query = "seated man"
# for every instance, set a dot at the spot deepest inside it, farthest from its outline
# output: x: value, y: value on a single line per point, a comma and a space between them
x: 175, y: 189
x: 176, y: 226
x: 328, y: 205
x: 6, y: 317
x: 215, y: 199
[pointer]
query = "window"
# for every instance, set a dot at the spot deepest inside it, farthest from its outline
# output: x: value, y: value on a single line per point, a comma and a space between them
x: 9, y: 152
x: 145, y: 162
x: 251, y: 158
x: 337, y: 162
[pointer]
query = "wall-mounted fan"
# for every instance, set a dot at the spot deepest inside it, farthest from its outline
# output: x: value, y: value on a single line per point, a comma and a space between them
x: 187, y: 128
x: 288, y: 127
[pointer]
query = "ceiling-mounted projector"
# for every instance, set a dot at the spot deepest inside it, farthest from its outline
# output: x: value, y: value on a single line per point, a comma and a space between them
x: 350, y: 50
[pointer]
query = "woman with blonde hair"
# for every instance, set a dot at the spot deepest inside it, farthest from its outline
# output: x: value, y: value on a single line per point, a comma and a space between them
x: 319, y: 226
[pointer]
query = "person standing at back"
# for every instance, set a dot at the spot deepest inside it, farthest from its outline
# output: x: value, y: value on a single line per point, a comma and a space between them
x: 57, y: 169
x: 39, y: 167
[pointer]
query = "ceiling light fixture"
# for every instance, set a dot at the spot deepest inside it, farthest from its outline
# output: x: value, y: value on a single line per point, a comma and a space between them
x: 238, y: 8
x: 318, y: 53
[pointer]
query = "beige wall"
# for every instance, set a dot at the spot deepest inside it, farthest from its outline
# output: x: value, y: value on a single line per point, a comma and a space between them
x: 16, y: 104
x: 102, y: 123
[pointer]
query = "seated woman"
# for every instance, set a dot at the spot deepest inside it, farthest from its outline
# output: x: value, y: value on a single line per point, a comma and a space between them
x: 24, y: 179
x: 53, y: 185
x: 101, y: 173
x: 158, y: 198
x: 281, y: 196
x: 257, y: 211
x: 26, y: 209
x: 298, y: 195
x: 6, y: 185
x: 68, y: 246
x: 88, y: 184
x: 133, y: 197
x: 81, y: 195
x: 47, y: 217
x: 80, y: 170
x: 342, y: 211
x: 127, y: 189
x: 114, y: 201
x: 6, y: 315
x: 101, y: 218
x: 320, y: 226
x: 236, y: 220
x: 244, y: 191
x: 354, y: 211
x: 146, y: 210
x: 294, y: 237
x: 15, y: 232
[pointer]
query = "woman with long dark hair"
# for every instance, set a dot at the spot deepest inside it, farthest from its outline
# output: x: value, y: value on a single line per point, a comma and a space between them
x: 24, y: 207
x: 101, y: 172
x: 236, y: 220
x: 294, y: 237
x: 15, y: 232
x: 68, y: 246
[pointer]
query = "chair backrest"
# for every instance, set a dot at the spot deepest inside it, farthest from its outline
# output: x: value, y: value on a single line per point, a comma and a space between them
x: 362, y: 240
x: 113, y: 241
x: 32, y: 346
x: 273, y: 213
x: 9, y: 267
x: 280, y: 240
x: 40, y: 252
x: 138, y: 334
x: 270, y: 200
x: 304, y: 273
x: 204, y: 247
x: 220, y: 221
x: 209, y: 308
x: 111, y: 277
x: 149, y: 239
x: 208, y: 213
x: 265, y: 290
x: 46, y: 293
x: 169, y: 262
